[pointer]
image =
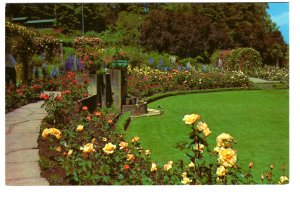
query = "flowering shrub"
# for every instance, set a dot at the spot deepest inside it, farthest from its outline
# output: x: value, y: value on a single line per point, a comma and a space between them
x: 243, y: 59
x: 88, y: 50
x: 60, y: 107
x: 271, y: 73
x: 17, y: 96
x: 145, y: 82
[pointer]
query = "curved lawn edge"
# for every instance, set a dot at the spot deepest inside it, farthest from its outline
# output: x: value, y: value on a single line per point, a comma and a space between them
x: 176, y: 93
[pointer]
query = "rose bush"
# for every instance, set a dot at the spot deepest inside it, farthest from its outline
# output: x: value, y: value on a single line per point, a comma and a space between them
x: 145, y: 82
x: 17, y: 96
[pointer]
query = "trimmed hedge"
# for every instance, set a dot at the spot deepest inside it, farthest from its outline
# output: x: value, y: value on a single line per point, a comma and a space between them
x: 122, y: 123
x: 175, y: 93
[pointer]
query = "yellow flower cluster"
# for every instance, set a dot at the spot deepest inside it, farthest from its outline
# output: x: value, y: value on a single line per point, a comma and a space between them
x: 52, y: 131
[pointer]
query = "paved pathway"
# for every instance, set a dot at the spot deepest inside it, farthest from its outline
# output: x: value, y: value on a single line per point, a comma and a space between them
x: 22, y: 128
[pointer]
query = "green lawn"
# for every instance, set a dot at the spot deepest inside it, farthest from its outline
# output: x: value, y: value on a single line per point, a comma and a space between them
x: 258, y: 120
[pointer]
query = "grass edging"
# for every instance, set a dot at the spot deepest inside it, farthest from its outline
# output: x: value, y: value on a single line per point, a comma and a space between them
x: 175, y: 93
x: 123, y: 123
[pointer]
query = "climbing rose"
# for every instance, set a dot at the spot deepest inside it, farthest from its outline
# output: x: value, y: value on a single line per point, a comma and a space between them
x: 191, y: 119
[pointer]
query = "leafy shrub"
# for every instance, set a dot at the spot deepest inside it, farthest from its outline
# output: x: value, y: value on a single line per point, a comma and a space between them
x: 243, y: 59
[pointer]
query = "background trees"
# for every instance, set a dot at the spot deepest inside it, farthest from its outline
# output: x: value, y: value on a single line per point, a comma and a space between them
x: 182, y: 29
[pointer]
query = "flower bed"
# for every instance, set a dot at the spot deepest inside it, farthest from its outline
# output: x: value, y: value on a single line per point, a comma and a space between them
x: 88, y: 150
x: 147, y: 81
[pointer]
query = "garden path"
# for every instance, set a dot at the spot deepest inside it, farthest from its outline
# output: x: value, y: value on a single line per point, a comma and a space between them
x: 22, y: 128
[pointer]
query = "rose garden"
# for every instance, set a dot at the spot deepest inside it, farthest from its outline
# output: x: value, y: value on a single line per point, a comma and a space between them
x: 114, y: 113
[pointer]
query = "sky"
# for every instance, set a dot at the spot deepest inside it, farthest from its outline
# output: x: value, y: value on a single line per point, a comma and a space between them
x: 279, y: 13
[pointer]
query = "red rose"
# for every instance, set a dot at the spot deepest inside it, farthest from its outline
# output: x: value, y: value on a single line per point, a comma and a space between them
x: 21, y: 94
x: 126, y: 167
x: 86, y: 95
x: 67, y: 92
x: 84, y: 108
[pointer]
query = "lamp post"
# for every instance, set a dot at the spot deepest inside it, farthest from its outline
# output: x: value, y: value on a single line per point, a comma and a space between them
x: 82, y: 20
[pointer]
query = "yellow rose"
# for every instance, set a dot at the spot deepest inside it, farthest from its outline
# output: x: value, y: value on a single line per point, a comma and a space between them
x: 191, y: 119
x: 55, y: 132
x: 170, y: 162
x: 206, y: 132
x: 186, y: 181
x: 199, y: 147
x: 46, y: 133
x: 191, y: 165
x: 70, y: 152
x: 147, y: 152
x: 109, y: 148
x: 123, y: 145
x: 167, y: 167
x: 58, y: 149
x: 184, y: 174
x: 202, y: 126
x: 104, y: 139
x: 130, y: 157
x: 221, y: 171
x: 79, y: 128
x: 283, y: 180
x: 216, y: 150
x: 88, y: 148
x: 227, y: 157
x: 153, y: 167
x: 224, y: 140
x: 135, y: 139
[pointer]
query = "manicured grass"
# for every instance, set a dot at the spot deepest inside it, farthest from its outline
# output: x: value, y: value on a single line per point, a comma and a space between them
x: 257, y: 119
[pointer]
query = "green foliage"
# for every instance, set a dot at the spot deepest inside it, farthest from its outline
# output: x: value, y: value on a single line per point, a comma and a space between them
x: 122, y: 123
x: 243, y: 59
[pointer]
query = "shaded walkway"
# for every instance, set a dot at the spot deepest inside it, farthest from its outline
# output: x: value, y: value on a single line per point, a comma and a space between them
x: 22, y: 128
